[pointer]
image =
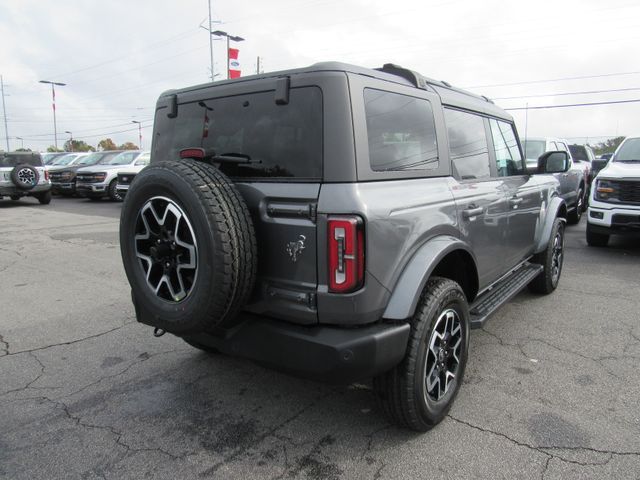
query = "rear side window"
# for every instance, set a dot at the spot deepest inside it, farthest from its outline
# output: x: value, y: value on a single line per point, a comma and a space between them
x: 401, y: 132
x: 9, y: 160
x: 281, y: 141
x: 508, y: 157
x: 467, y: 144
x: 578, y: 152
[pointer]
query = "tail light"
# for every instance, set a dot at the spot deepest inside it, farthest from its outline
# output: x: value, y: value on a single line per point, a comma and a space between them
x: 346, y: 254
x: 192, y: 153
x: 46, y: 175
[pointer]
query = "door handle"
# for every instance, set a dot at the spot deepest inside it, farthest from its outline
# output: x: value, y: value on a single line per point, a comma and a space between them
x: 515, y: 200
x: 472, y: 211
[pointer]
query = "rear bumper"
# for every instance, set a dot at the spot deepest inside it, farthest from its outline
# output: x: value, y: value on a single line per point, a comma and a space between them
x: 12, y: 190
x: 328, y: 354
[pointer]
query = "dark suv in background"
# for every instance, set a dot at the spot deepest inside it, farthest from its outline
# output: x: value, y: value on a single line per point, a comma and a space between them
x: 340, y: 223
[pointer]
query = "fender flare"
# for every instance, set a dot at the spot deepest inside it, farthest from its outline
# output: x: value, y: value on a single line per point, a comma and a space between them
x: 417, y: 271
x: 555, y: 204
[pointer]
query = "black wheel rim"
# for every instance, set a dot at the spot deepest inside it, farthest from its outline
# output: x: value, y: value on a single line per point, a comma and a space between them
x: 557, y: 256
x: 443, y: 355
x: 166, y: 247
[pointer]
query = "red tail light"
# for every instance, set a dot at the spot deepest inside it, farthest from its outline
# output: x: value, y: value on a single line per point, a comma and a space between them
x: 346, y: 254
x: 192, y: 153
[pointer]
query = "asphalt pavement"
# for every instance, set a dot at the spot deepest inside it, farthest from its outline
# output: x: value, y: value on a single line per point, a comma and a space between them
x: 551, y: 390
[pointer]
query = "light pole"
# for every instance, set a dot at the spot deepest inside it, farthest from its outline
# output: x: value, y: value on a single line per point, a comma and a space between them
x: 139, y: 131
x: 220, y: 33
x: 21, y: 142
x: 70, y: 139
x: 4, y: 112
x: 53, y: 95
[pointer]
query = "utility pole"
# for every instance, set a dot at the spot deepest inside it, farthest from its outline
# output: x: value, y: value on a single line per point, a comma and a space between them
x: 139, y: 131
x: 4, y: 112
x: 210, y: 47
x: 53, y: 94
x: 258, y: 65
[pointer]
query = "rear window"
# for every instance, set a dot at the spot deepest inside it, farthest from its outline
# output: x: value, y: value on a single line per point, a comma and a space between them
x: 282, y: 141
x: 578, y: 152
x: 10, y: 160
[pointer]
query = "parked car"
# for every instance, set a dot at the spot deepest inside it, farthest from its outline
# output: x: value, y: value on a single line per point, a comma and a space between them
x: 614, y: 208
x: 330, y: 221
x: 98, y: 181
x: 573, y: 183
x: 49, y: 157
x: 23, y: 174
x: 125, y: 178
x: 63, y: 179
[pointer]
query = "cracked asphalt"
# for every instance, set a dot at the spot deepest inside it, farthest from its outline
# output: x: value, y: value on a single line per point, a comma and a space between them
x: 551, y: 391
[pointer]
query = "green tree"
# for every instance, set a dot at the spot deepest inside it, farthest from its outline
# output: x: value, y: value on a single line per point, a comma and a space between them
x: 107, y: 144
x: 608, y: 146
x: 128, y: 146
x: 51, y: 148
x: 78, y: 146
x: 23, y: 149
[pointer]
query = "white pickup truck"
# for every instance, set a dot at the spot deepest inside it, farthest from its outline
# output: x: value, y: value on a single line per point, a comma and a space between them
x: 614, y: 206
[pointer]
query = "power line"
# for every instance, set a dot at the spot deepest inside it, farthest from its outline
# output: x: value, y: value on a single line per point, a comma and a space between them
x: 543, y: 107
x: 568, y: 93
x: 583, y: 77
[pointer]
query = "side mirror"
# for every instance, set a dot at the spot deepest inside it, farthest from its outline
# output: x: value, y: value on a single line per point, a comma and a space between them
x: 553, y: 162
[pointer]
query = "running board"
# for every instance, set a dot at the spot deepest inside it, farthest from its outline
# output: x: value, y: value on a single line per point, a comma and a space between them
x: 501, y: 293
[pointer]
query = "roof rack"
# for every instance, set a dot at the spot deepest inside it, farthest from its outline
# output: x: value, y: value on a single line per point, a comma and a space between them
x: 422, y: 82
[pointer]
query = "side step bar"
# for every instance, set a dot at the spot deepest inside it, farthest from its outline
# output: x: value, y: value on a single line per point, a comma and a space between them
x: 501, y: 293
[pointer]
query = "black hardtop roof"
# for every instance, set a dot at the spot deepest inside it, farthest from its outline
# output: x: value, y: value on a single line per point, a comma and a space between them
x: 19, y: 154
x: 449, y: 95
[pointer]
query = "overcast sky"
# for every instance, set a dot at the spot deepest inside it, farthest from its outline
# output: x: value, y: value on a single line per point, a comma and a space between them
x: 116, y: 57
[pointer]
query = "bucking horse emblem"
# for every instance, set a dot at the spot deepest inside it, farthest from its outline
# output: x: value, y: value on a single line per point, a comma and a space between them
x: 294, y: 249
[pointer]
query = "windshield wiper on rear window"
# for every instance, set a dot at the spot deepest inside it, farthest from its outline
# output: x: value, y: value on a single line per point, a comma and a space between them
x: 233, y: 157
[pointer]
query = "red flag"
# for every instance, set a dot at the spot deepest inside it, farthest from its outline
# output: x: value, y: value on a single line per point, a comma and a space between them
x: 234, y: 64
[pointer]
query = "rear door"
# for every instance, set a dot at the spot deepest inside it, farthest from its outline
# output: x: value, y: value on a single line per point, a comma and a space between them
x: 479, y: 195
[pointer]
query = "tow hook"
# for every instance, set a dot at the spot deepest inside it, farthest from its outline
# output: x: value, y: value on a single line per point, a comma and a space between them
x: 158, y: 332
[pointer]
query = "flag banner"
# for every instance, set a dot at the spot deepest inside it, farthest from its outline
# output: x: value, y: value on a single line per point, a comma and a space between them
x: 234, y: 64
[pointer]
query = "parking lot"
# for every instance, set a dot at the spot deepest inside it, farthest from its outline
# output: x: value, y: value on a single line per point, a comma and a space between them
x: 551, y: 388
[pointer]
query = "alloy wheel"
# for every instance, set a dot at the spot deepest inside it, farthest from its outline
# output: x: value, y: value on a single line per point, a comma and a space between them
x: 443, y: 354
x: 165, y: 245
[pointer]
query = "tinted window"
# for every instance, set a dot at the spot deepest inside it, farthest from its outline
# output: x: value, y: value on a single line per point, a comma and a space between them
x: 280, y: 140
x: 578, y: 152
x: 9, y: 160
x: 467, y: 144
x: 508, y: 158
x: 401, y: 132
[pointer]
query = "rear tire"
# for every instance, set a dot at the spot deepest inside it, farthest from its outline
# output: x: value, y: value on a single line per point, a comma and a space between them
x: 214, y: 266
x: 574, y: 216
x: 44, y: 198
x: 408, y: 393
x: 551, y: 259
x: 596, y: 239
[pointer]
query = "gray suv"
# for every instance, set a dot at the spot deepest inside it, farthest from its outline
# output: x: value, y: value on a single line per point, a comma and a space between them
x: 23, y: 174
x: 340, y: 223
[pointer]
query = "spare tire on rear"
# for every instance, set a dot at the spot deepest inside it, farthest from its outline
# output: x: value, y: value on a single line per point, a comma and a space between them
x: 25, y: 176
x: 188, y: 247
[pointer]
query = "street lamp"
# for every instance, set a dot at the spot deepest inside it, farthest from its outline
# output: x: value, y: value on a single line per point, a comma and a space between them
x: 220, y: 33
x: 53, y: 95
x: 139, y: 131
x: 21, y: 142
x: 70, y: 139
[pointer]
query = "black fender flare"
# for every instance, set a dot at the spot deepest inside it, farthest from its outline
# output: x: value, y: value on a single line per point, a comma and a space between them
x: 548, y: 216
x: 408, y: 288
